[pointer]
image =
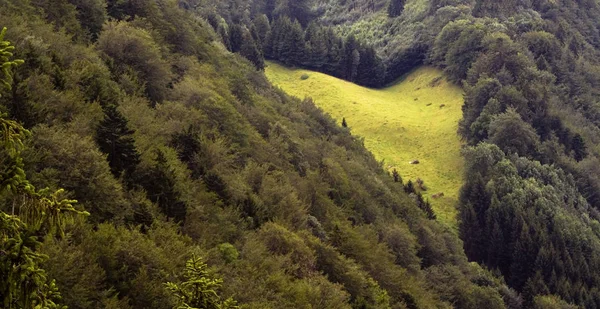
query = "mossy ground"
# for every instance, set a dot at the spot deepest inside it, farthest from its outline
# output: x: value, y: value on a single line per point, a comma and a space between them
x: 416, y: 118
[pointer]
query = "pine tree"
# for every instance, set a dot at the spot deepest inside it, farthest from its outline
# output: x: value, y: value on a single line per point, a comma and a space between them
x: 250, y: 51
x: 236, y: 37
x: 293, y: 48
x: 159, y: 183
x: 397, y: 177
x: 316, y: 47
x: 409, y: 187
x: 370, y: 70
x: 351, y: 58
x: 344, y: 123
x: 262, y: 28
x: 396, y: 7
x: 115, y: 139
x: 426, y: 206
x: 578, y: 146
x: 200, y: 290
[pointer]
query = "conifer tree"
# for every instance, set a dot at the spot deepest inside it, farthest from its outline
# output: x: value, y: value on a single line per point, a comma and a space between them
x: 397, y: 177
x: 396, y: 7
x: 159, y: 183
x: 250, y: 51
x: 200, y: 290
x: 409, y: 187
x: 426, y: 206
x: 262, y: 28
x: 579, y: 148
x: 351, y: 58
x: 370, y: 70
x: 293, y: 50
x: 236, y: 37
x: 115, y: 139
x: 344, y: 123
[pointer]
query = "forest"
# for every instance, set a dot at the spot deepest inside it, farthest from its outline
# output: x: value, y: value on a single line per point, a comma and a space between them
x: 148, y: 162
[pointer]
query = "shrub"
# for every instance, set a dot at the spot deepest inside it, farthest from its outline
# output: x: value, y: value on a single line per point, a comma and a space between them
x: 228, y: 252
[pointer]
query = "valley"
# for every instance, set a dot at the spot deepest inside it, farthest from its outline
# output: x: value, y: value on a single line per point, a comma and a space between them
x: 415, y: 118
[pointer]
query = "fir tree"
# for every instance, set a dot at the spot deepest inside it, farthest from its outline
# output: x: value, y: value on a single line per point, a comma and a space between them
x: 159, y: 183
x: 262, y: 28
x: 409, y: 187
x: 370, y: 70
x: 426, y: 207
x: 397, y: 177
x: 236, y: 37
x: 115, y: 139
x: 578, y: 146
x: 250, y: 51
x: 351, y: 59
x: 344, y: 123
x: 200, y: 290
x: 396, y: 7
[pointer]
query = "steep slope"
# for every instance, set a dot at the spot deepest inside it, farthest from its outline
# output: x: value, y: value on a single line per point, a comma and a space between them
x: 178, y: 148
x: 414, y: 119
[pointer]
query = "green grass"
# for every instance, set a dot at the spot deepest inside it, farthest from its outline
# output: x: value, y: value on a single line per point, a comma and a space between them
x: 401, y: 123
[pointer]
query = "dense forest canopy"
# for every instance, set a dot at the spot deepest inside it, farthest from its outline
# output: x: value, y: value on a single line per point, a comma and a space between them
x: 168, y: 159
x: 530, y: 72
x: 181, y: 164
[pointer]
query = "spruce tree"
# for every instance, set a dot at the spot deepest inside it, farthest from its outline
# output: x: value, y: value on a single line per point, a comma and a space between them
x: 200, y: 289
x: 578, y: 146
x: 236, y: 37
x: 293, y: 50
x: 370, y: 70
x: 396, y: 7
x: 250, y: 51
x: 115, y: 139
x: 409, y: 187
x: 262, y: 28
x: 397, y: 177
x: 159, y: 183
x: 351, y: 58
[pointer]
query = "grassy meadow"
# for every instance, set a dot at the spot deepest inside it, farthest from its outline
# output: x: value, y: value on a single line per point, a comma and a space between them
x: 414, y: 119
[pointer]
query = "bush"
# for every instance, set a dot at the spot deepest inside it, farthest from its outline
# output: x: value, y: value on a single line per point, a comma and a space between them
x: 304, y: 76
x: 228, y: 252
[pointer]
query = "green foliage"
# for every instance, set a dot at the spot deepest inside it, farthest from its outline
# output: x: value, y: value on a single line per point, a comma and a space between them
x: 552, y: 302
x: 395, y: 8
x: 313, y: 218
x: 91, y: 15
x: 114, y: 139
x: 159, y: 182
x: 509, y: 132
x: 24, y: 283
x: 6, y: 54
x: 228, y: 252
x: 134, y: 54
x: 200, y: 290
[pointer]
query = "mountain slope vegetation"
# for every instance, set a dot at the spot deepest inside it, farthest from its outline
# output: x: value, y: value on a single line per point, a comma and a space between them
x: 400, y: 124
x: 176, y: 152
x: 530, y: 74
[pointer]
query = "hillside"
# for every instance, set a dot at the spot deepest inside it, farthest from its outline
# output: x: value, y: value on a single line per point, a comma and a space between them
x: 401, y: 123
x: 144, y: 165
x: 530, y: 72
x: 147, y: 161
